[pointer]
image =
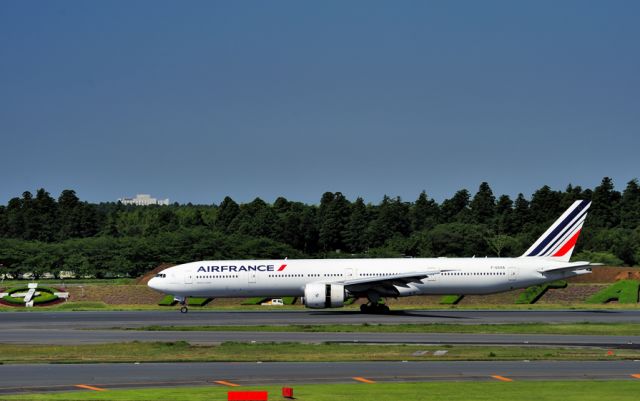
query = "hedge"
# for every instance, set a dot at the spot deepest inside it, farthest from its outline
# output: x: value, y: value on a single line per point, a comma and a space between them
x: 46, y: 295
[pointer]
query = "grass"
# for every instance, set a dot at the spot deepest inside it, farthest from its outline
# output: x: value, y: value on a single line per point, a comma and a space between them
x: 532, y: 294
x: 521, y: 328
x: 625, y: 292
x: 443, y: 391
x: 284, y: 352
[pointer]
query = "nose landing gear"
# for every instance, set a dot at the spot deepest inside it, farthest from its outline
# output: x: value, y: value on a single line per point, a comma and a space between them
x: 183, y: 302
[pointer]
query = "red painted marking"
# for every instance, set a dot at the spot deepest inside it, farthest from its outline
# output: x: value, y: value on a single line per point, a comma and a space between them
x: 569, y: 245
x: 281, y: 268
x: 247, y: 396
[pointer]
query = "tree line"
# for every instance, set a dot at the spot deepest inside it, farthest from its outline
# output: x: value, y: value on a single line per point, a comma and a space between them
x: 40, y: 234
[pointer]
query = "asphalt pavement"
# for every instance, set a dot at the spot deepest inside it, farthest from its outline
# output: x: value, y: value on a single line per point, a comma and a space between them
x: 84, y: 336
x: 41, y: 378
x: 106, y: 327
x: 110, y: 319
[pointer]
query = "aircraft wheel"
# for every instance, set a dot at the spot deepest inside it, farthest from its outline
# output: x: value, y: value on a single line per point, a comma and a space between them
x: 384, y: 309
x: 184, y: 309
x: 364, y: 308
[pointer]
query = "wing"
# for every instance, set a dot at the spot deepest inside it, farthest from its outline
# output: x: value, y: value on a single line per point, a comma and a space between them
x: 388, y: 284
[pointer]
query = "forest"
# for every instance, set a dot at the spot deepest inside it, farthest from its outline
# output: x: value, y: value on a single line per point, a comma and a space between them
x: 41, y: 235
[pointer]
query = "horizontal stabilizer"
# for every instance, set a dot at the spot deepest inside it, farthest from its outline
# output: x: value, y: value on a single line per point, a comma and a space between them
x: 566, y: 266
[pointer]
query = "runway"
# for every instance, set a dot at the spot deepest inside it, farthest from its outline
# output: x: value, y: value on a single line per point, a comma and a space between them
x: 66, y: 328
x: 98, y: 327
x: 70, y: 337
x: 21, y: 378
x: 130, y: 319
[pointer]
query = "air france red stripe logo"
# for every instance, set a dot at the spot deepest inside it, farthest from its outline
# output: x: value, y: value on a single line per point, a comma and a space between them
x: 281, y: 268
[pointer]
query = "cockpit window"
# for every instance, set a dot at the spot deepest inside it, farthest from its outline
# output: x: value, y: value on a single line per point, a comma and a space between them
x: 161, y: 275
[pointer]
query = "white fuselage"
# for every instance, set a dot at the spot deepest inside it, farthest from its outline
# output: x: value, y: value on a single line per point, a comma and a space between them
x: 268, y: 278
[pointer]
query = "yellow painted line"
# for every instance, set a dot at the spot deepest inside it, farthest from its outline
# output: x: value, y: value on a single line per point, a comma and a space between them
x: 502, y: 378
x: 363, y: 380
x: 637, y: 376
x: 225, y: 383
x: 89, y: 387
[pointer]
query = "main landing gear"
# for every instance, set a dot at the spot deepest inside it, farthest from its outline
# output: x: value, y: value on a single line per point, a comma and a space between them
x: 375, y: 304
x: 183, y: 302
x: 375, y: 308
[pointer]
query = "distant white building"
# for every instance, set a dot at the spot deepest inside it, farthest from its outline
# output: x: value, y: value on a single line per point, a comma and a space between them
x: 144, y: 200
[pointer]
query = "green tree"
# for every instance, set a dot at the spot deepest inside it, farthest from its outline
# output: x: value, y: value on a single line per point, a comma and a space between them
x: 3, y: 222
x: 14, y: 219
x: 227, y: 212
x: 425, y: 213
x: 504, y: 219
x: 500, y: 244
x: 572, y: 194
x: 630, y: 206
x: 521, y: 213
x: 256, y: 219
x: 75, y: 218
x: 392, y: 218
x: 545, y: 207
x: 483, y: 205
x: 604, y: 209
x: 78, y: 265
x: 458, y: 240
x: 456, y: 208
x: 333, y: 218
x: 309, y: 230
x: 42, y: 223
x: 356, y: 229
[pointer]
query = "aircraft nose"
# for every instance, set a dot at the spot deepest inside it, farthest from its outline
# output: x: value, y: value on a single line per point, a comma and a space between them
x: 154, y: 284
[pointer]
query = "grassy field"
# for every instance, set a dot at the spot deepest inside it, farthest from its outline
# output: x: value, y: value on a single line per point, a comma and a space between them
x: 523, y: 328
x: 280, y: 352
x: 442, y: 391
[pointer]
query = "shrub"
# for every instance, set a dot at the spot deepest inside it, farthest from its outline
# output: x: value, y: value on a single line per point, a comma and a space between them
x: 46, y: 296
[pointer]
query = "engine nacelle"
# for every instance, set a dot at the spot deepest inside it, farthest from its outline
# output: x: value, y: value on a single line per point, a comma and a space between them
x: 320, y: 295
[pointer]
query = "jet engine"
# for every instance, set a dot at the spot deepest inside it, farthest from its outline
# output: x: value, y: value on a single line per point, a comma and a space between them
x: 320, y: 295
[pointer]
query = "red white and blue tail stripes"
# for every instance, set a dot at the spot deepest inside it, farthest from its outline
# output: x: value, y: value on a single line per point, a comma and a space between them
x: 560, y: 239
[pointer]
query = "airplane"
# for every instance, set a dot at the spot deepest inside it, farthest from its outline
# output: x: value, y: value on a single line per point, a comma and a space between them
x: 328, y: 283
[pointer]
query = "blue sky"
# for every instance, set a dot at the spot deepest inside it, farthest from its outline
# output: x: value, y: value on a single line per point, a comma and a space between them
x: 198, y: 100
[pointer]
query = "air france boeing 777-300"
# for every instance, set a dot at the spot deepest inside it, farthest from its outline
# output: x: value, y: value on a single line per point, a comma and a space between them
x: 327, y: 283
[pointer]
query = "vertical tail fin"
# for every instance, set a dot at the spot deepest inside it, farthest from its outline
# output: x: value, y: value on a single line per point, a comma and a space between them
x: 560, y: 239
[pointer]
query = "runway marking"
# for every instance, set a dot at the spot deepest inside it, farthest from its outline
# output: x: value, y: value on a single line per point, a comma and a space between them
x: 226, y: 383
x: 89, y: 387
x: 502, y: 378
x: 637, y: 375
x: 363, y: 380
